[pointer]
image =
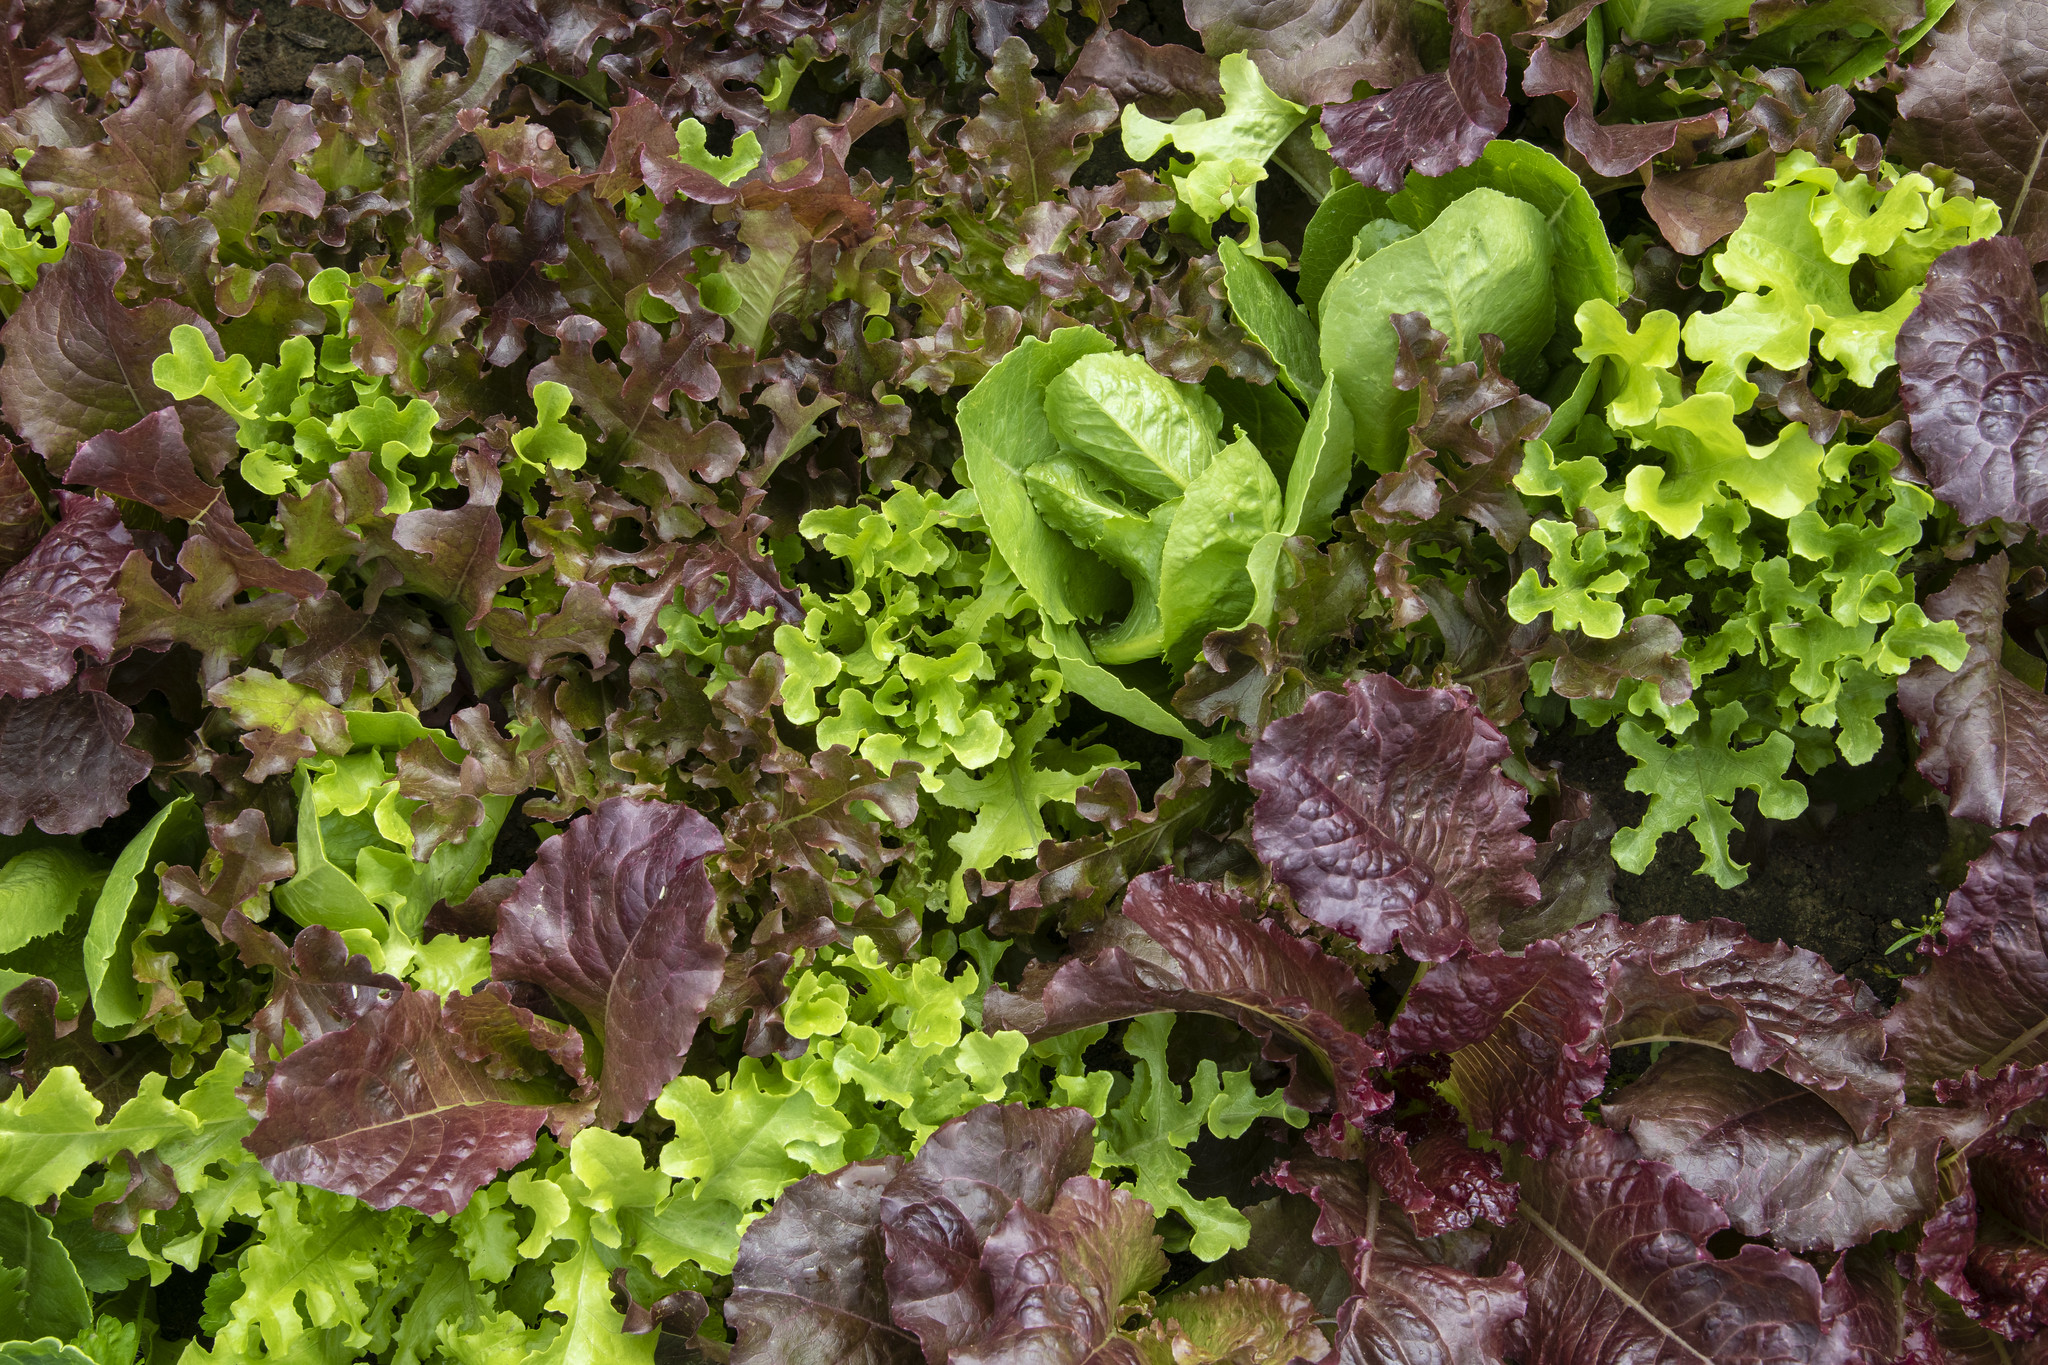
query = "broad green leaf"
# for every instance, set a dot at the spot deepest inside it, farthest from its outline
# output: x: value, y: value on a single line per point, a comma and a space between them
x: 40, y: 890
x: 1067, y: 496
x: 46, y: 1296
x: 46, y: 1351
x: 1133, y: 422
x: 1276, y: 322
x: 1103, y: 689
x: 1322, y: 467
x: 1003, y: 432
x: 1202, y: 574
x: 1583, y: 264
x: 319, y: 892
x: 771, y: 280
x: 1484, y: 265
x: 593, y: 1331
x: 177, y: 833
x: 1263, y: 412
x: 393, y: 730
x: 1328, y: 240
x: 260, y: 700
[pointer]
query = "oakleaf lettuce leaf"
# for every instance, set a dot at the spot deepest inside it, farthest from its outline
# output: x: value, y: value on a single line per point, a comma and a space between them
x: 616, y: 918
x: 1434, y: 124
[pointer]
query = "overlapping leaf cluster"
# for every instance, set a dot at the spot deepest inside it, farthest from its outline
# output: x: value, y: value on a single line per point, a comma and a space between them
x: 790, y: 683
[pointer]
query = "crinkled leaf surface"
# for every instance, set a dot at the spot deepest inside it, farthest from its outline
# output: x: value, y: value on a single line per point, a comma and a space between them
x: 1982, y: 1002
x: 60, y: 600
x: 616, y: 918
x: 65, y: 764
x: 1383, y: 810
x: 1618, y: 1270
x: 418, y: 1103
x: 1973, y: 369
x: 1433, y: 124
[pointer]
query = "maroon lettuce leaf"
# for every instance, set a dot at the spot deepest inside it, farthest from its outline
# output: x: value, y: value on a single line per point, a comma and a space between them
x: 1698, y: 207
x: 1574, y: 866
x: 22, y: 521
x: 1975, y: 99
x: 1415, y: 1302
x: 143, y: 154
x: 1433, y: 124
x: 319, y: 987
x: 616, y: 917
x: 418, y: 1103
x: 62, y: 761
x: 1982, y: 1003
x: 1059, y: 1280
x: 1163, y: 81
x: 78, y: 362
x: 1770, y: 1005
x: 1422, y: 1158
x: 1611, y: 149
x: 1314, y: 51
x: 1778, y: 1160
x: 61, y: 599
x: 1619, y: 1271
x: 1988, y: 1249
x: 1196, y: 948
x: 1384, y: 810
x: 1983, y: 732
x: 1524, y: 1036
x: 151, y: 463
x: 1973, y: 371
x: 808, y: 1285
x: 939, y: 1212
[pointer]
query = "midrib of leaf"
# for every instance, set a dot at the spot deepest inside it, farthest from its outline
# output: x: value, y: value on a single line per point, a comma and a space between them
x: 2013, y: 1048
x: 2019, y: 203
x: 1611, y: 1286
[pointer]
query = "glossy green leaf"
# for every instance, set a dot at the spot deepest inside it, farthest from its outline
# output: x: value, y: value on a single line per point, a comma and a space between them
x: 1276, y: 322
x: 175, y: 834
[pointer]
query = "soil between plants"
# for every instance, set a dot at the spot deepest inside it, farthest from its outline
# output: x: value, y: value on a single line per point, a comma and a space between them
x: 1833, y: 881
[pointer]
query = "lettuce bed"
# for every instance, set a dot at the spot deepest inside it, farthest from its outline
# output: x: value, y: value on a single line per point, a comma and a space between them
x: 875, y: 682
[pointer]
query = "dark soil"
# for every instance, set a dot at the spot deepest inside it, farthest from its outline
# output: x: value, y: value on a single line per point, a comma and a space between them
x: 1865, y: 854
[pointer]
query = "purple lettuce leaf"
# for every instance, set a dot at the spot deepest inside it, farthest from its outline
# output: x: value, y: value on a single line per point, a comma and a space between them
x: 205, y: 614
x: 1060, y: 1280
x: 65, y: 765
x: 61, y: 599
x: 1611, y: 149
x: 1314, y: 51
x: 1983, y: 732
x: 22, y: 521
x: 1384, y: 810
x: 939, y: 1212
x: 1698, y: 207
x: 78, y: 362
x: 1973, y: 371
x: 1422, y: 1158
x: 1982, y: 1003
x: 1619, y: 1271
x: 142, y: 159
x: 1524, y: 1036
x: 1433, y: 124
x: 1778, y: 1160
x: 1245, y: 1322
x: 808, y: 1285
x: 1574, y: 866
x: 1770, y: 1005
x: 1975, y: 98
x: 420, y: 1103
x: 319, y: 987
x: 1988, y: 1249
x: 151, y: 463
x: 1414, y: 1301
x: 616, y: 917
x: 1164, y: 81
x: 1193, y: 946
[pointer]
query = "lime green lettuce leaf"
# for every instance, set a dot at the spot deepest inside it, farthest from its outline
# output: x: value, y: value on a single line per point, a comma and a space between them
x: 1228, y: 152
